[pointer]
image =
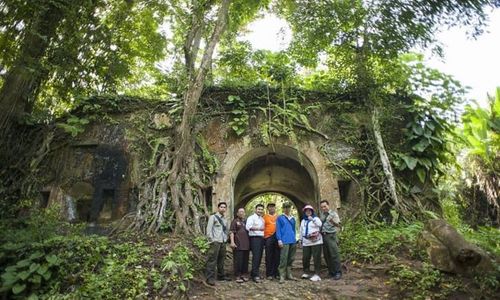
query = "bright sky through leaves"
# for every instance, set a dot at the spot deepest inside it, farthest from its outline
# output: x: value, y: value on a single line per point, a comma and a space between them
x: 475, y: 63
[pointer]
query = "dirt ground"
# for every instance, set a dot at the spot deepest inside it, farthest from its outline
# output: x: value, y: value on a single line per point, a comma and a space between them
x: 358, y: 282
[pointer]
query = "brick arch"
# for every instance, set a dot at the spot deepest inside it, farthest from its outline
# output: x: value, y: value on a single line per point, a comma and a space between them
x: 299, y: 172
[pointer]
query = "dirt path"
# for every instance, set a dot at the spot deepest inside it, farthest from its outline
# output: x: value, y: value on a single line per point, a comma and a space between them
x: 358, y: 282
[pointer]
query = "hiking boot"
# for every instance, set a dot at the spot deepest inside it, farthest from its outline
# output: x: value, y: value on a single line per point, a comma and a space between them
x: 240, y: 280
x: 304, y: 276
x: 210, y: 281
x: 289, y: 275
x: 269, y: 278
x: 337, y: 276
x: 224, y: 278
x: 282, y: 279
x: 256, y: 279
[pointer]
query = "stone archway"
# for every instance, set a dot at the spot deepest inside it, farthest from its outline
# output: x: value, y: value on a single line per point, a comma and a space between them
x: 300, y: 173
x: 282, y: 170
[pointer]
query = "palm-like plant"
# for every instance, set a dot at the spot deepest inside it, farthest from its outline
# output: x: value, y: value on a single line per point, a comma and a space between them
x: 481, y: 132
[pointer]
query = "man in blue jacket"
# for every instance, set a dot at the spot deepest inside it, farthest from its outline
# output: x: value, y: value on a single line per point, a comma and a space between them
x: 285, y: 234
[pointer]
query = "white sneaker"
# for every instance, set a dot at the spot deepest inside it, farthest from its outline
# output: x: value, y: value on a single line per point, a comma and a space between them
x: 304, y: 276
x: 315, y: 278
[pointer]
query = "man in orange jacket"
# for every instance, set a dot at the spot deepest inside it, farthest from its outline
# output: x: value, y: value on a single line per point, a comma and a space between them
x: 271, y: 243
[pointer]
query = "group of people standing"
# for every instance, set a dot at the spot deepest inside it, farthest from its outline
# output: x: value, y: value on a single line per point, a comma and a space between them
x: 277, y: 235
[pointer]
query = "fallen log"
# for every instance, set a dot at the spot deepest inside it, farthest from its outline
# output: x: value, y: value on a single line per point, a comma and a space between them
x: 461, y: 251
x: 450, y: 252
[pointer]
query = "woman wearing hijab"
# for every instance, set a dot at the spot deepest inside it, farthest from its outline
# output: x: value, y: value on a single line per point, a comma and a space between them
x: 311, y: 239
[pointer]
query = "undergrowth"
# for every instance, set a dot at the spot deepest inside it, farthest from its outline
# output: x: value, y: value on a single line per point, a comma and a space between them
x: 412, y: 276
x: 377, y: 244
x: 43, y: 257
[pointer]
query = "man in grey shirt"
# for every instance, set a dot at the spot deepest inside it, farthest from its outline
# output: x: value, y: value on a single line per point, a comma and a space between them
x: 217, y: 233
x: 331, y: 222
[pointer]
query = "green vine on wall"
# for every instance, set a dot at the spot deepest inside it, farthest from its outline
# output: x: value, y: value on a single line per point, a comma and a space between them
x: 282, y: 119
x: 239, y: 115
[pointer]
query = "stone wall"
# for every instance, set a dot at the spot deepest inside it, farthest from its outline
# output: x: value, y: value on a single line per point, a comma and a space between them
x: 103, y: 164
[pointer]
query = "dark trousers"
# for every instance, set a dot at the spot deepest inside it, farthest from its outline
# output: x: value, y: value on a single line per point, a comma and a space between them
x: 257, y: 247
x: 240, y: 262
x: 315, y: 252
x: 215, y: 258
x: 272, y: 256
x: 331, y: 252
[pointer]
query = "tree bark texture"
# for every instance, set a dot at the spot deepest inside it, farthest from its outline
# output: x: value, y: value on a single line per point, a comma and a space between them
x: 182, y: 166
x: 24, y: 78
x: 177, y: 182
x: 448, y: 251
x: 384, y: 159
x: 461, y: 251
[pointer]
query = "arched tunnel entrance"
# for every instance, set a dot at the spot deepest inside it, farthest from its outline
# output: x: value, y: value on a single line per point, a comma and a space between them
x: 281, y: 170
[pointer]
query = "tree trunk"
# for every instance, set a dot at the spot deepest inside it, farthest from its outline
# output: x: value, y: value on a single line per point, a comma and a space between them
x: 24, y: 78
x: 460, y: 250
x: 386, y: 164
x: 181, y: 167
x: 183, y: 185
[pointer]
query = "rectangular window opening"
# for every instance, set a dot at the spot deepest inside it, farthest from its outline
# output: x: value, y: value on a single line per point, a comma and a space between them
x: 44, y: 200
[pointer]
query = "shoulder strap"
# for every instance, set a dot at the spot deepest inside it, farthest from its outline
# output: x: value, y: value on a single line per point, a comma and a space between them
x: 288, y: 220
x: 221, y: 223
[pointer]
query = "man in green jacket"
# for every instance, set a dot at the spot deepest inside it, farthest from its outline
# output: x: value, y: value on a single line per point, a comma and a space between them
x: 331, y: 223
x: 217, y: 233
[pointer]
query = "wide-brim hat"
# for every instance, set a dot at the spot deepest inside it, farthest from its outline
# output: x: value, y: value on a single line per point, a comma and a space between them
x: 308, y: 207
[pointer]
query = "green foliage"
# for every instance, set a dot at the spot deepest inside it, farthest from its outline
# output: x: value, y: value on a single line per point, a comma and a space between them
x: 355, y: 166
x: 240, y: 65
x: 239, y: 114
x: 488, y: 284
x: 29, y: 274
x: 481, y: 133
x: 44, y: 256
x: 179, y: 264
x: 481, y: 130
x: 209, y: 161
x: 377, y: 244
x: 119, y: 269
x: 426, y: 139
x: 428, y: 146
x: 384, y: 28
x: 485, y: 237
x: 451, y: 212
x: 74, y: 125
x: 411, y: 275
x: 267, y: 198
x: 418, y: 283
x: 283, y: 118
x: 201, y: 243
x: 99, y: 46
